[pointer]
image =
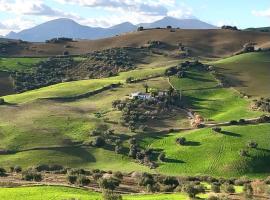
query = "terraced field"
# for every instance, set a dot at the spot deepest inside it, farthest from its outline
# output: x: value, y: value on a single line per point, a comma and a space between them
x: 248, y: 73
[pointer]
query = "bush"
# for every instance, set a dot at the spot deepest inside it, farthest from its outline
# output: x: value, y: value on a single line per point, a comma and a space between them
x: 16, y: 169
x: 181, y: 141
x: 192, y: 190
x: 248, y: 190
x: 109, y: 184
x: 31, y: 176
x: 109, y: 195
x: 243, y: 153
x: 83, y: 180
x: 233, y: 122
x: 72, y: 179
x: 216, y: 129
x: 98, y: 141
x: 2, y: 172
x: 118, y: 175
x: 252, y: 144
x: 228, y: 188
x: 215, y: 188
x: 2, y: 101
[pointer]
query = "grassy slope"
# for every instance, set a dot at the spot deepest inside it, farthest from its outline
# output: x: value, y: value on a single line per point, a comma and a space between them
x: 213, y: 43
x: 45, y: 123
x: 18, y: 64
x: 217, y: 154
x: 68, y: 89
x: 249, y: 72
x: 220, y: 104
x: 60, y: 193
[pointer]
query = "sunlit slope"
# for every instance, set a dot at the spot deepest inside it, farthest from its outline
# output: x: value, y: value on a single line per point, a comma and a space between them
x: 249, y: 72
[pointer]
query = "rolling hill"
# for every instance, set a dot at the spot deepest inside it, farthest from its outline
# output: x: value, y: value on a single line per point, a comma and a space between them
x: 203, y: 43
x: 249, y: 72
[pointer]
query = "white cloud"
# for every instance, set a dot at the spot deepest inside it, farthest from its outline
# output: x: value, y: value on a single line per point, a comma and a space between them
x: 262, y: 13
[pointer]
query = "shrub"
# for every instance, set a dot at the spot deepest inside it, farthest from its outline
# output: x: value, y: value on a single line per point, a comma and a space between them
x: 110, y: 195
x: 118, y: 175
x: 248, y: 190
x: 16, y: 169
x: 216, y: 129
x: 215, y: 188
x: 252, y: 144
x: 98, y: 141
x: 242, y: 121
x: 109, y: 184
x: 2, y: 101
x: 72, y: 179
x: 140, y: 28
x: 2, y: 172
x: 146, y: 179
x: 233, y: 122
x: 83, y: 180
x: 192, y: 190
x: 228, y: 188
x: 267, y: 180
x: 31, y: 176
x: 181, y: 141
x: 118, y: 149
x: 243, y: 153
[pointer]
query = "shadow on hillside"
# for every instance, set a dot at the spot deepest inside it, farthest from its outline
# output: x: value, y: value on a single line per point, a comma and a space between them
x: 192, y: 143
x: 230, y: 134
x: 171, y: 160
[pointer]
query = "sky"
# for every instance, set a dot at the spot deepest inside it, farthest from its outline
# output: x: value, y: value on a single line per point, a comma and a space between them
x: 16, y: 15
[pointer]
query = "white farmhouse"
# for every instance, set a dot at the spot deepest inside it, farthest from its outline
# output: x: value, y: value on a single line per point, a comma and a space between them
x: 140, y: 95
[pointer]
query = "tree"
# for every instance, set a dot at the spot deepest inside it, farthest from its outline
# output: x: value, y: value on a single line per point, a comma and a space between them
x: 228, y: 188
x: 192, y: 190
x: 216, y: 129
x: 109, y: 184
x: 98, y: 141
x: 146, y: 87
x: 169, y: 27
x: 2, y: 101
x: 140, y: 28
x: 248, y: 190
x: 72, y: 179
x: 181, y: 140
x: 83, y: 180
x: 110, y: 195
x: 215, y: 188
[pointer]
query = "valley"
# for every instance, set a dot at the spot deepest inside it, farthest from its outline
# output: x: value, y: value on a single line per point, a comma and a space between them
x: 164, y: 108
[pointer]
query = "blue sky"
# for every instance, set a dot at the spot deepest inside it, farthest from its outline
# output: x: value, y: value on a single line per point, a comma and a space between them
x: 16, y: 15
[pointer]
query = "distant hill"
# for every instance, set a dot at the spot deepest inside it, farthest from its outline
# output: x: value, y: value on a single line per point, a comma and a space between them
x: 262, y: 29
x: 181, y: 23
x: 68, y: 28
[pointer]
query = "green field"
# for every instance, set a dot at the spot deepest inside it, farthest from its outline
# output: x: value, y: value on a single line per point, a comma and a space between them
x: 202, y: 94
x: 217, y: 154
x: 249, y: 72
x: 18, y: 64
x: 61, y: 193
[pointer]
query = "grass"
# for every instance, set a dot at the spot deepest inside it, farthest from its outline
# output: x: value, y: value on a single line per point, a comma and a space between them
x: 217, y: 154
x: 249, y: 73
x: 18, y: 64
x: 202, y: 94
x: 60, y: 193
x: 75, y: 88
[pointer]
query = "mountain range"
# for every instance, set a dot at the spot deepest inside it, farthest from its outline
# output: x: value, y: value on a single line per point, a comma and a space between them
x: 64, y: 27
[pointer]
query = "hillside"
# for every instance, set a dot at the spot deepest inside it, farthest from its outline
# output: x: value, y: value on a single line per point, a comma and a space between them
x: 203, y: 43
x: 249, y: 73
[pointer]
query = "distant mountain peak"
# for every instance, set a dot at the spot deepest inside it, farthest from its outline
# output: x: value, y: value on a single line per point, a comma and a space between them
x: 65, y: 27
